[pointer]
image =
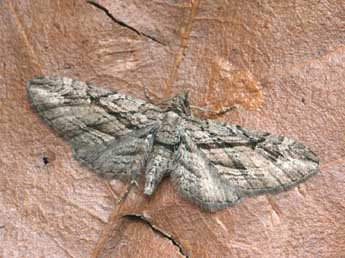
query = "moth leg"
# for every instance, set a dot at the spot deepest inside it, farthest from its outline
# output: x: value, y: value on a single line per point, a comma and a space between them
x: 149, y: 98
x: 220, y: 112
x: 183, y: 94
x: 154, y: 102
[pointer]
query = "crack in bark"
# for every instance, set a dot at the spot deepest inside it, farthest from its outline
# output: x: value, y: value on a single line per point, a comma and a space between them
x: 142, y: 219
x: 123, y: 24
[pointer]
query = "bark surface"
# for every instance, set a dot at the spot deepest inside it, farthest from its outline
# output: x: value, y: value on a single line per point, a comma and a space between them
x: 282, y: 62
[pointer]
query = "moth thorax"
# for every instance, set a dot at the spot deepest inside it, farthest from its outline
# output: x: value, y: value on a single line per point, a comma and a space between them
x: 168, y: 133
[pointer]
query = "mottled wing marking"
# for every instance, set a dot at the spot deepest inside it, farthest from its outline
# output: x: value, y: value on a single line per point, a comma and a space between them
x: 96, y: 122
x: 251, y: 161
x: 198, y: 179
x: 123, y: 158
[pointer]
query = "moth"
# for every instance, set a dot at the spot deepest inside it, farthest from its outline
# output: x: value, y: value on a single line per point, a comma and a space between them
x: 211, y: 163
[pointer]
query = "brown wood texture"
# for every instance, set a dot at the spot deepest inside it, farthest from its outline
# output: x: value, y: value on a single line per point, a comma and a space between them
x: 283, y: 62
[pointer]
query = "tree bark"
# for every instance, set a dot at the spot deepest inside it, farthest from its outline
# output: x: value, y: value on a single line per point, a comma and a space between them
x: 282, y: 62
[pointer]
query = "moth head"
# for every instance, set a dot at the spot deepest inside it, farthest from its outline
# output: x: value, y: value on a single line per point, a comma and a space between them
x: 180, y: 103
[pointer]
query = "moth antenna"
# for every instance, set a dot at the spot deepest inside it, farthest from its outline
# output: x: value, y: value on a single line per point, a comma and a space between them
x: 214, y: 112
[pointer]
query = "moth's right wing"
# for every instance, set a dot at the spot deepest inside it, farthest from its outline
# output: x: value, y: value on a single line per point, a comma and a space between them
x: 198, y: 180
x: 93, y: 119
x: 221, y: 163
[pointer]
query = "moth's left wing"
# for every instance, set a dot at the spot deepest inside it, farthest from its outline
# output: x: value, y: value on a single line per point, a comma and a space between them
x: 108, y: 131
x: 248, y: 162
x: 84, y: 114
